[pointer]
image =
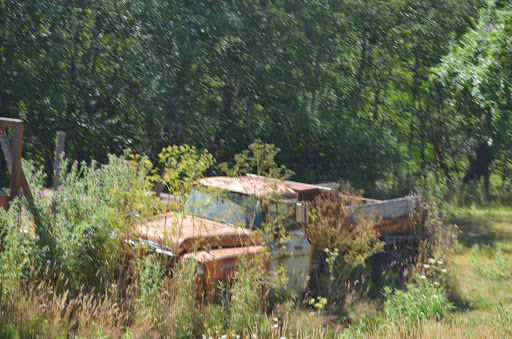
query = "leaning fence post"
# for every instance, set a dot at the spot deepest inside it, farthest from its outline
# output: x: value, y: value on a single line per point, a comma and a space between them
x: 59, y: 149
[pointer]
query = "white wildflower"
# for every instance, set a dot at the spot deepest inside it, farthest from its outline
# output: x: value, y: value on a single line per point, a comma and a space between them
x: 432, y: 260
x: 426, y: 266
x: 423, y: 277
x: 443, y: 270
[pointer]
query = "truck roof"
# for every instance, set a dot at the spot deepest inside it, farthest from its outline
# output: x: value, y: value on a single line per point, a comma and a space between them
x: 259, y: 186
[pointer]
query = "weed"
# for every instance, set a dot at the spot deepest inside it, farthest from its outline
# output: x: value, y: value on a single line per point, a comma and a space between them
x: 318, y: 304
x: 341, y: 249
x: 498, y: 265
x: 17, y: 250
x: 423, y: 299
x: 151, y: 282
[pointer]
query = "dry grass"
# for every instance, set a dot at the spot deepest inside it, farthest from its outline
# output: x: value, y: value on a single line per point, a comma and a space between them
x: 441, y: 329
x: 42, y: 308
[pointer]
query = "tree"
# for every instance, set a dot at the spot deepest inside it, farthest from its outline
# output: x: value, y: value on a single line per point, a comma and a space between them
x: 478, y: 72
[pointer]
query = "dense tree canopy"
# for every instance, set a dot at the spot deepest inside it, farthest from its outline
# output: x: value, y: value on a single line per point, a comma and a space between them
x: 388, y: 95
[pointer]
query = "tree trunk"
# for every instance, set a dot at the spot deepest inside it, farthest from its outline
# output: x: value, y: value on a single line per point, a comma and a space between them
x: 479, y: 166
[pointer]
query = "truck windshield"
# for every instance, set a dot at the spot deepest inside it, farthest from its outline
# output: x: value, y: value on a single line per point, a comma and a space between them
x: 232, y: 208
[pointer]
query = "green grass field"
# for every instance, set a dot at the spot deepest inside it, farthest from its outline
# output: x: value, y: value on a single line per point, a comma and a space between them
x: 483, y: 261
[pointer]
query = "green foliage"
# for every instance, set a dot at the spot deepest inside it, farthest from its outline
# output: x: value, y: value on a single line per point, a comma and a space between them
x: 318, y: 304
x: 345, y: 88
x: 183, y: 165
x: 17, y: 250
x: 8, y: 332
x: 429, y: 224
x: 503, y: 323
x: 187, y: 321
x: 151, y: 283
x: 81, y: 225
x: 259, y: 159
x: 423, y: 300
x: 498, y: 265
x: 344, y: 248
x: 331, y: 261
x: 246, y: 295
x: 477, y: 72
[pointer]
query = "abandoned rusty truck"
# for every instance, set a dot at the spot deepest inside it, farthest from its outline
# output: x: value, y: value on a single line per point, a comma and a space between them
x: 222, y: 218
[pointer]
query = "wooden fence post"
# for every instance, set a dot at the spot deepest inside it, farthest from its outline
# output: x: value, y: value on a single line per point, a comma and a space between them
x: 59, y: 149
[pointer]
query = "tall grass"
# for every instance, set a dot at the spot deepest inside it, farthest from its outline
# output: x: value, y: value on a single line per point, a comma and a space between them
x: 76, y: 277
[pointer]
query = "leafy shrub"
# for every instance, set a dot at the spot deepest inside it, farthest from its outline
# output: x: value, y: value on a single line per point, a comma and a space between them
x: 150, y: 281
x: 258, y: 159
x: 80, y: 227
x: 17, y: 250
x: 342, y: 249
x: 182, y: 166
x: 422, y: 300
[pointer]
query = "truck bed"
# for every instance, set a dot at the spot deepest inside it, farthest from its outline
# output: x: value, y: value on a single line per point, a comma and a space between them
x: 393, y: 217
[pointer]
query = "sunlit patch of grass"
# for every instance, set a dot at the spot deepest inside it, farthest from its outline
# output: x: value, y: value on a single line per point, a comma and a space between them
x: 483, y: 261
x: 483, y: 225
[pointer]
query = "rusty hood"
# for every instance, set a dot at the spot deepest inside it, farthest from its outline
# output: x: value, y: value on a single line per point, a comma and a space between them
x: 180, y: 233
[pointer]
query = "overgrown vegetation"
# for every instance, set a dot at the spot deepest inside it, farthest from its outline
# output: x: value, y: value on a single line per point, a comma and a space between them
x: 76, y: 275
x: 342, y: 250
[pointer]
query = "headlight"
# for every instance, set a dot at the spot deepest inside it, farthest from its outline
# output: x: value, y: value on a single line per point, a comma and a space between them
x: 199, y: 270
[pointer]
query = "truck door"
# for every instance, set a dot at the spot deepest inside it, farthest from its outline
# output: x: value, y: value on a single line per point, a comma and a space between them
x: 294, y: 250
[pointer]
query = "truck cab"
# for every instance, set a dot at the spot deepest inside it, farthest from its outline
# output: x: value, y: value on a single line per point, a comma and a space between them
x: 225, y: 217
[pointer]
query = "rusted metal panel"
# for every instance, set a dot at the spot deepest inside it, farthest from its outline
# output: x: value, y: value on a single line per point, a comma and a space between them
x: 391, y: 216
x: 182, y: 233
x: 295, y: 255
x: 259, y: 186
x: 4, y: 201
x: 386, y: 209
x: 221, y: 265
x: 251, y: 185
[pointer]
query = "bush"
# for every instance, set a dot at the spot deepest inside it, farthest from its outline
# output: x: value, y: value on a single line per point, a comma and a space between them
x: 17, y: 250
x: 342, y: 250
x: 80, y: 228
x: 424, y: 299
